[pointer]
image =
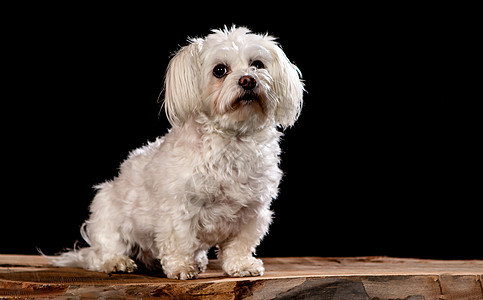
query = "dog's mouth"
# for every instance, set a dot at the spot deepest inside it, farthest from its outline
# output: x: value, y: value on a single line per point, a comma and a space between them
x: 248, y: 97
x: 247, y: 104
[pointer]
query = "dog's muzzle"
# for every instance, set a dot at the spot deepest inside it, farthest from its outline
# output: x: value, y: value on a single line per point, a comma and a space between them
x: 249, y: 94
x: 247, y: 82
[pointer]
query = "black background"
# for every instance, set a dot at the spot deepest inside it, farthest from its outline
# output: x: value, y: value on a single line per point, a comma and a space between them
x: 376, y: 165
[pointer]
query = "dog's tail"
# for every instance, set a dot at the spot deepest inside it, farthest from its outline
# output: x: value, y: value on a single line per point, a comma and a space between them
x: 74, y: 257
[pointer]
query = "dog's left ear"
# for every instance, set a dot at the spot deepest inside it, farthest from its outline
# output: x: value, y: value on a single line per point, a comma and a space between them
x: 181, y: 90
x: 289, y: 89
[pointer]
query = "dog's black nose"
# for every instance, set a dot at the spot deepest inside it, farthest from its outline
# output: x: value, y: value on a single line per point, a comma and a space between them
x: 247, y: 82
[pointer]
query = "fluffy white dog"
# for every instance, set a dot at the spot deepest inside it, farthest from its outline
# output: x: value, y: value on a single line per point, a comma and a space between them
x: 210, y: 180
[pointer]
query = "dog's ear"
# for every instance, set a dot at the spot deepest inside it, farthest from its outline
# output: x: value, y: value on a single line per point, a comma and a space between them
x: 181, y: 85
x: 288, y: 88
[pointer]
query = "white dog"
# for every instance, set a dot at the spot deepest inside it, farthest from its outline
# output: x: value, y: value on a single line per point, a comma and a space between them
x: 210, y: 180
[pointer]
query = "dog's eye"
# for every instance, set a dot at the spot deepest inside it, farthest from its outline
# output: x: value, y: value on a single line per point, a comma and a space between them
x: 219, y: 70
x: 258, y: 64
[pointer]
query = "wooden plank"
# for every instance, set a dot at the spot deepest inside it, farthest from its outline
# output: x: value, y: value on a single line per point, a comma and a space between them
x: 285, y: 278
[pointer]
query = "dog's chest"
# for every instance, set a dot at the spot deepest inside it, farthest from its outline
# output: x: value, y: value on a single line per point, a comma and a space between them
x: 236, y: 170
x: 231, y: 184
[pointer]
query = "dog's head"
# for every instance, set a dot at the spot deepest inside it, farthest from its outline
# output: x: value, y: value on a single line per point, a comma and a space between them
x: 235, y: 78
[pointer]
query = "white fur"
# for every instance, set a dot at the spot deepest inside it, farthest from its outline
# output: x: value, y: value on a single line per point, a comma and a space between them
x: 211, y: 179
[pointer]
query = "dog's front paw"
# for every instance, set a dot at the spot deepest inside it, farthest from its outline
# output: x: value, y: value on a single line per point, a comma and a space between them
x: 183, y: 272
x: 119, y: 263
x: 178, y: 269
x: 243, y: 266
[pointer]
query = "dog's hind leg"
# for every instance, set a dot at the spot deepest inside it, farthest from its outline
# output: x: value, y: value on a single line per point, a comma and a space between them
x: 109, y: 248
x: 107, y: 253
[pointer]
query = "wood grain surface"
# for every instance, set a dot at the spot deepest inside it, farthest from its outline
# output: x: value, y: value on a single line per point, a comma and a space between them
x: 285, y: 278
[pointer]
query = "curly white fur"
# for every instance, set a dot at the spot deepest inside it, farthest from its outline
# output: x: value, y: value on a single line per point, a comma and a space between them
x: 211, y: 179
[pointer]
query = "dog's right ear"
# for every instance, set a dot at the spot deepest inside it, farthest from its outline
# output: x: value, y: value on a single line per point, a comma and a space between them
x: 181, y: 84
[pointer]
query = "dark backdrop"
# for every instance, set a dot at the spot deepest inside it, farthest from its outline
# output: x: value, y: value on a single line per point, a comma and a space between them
x: 376, y: 164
